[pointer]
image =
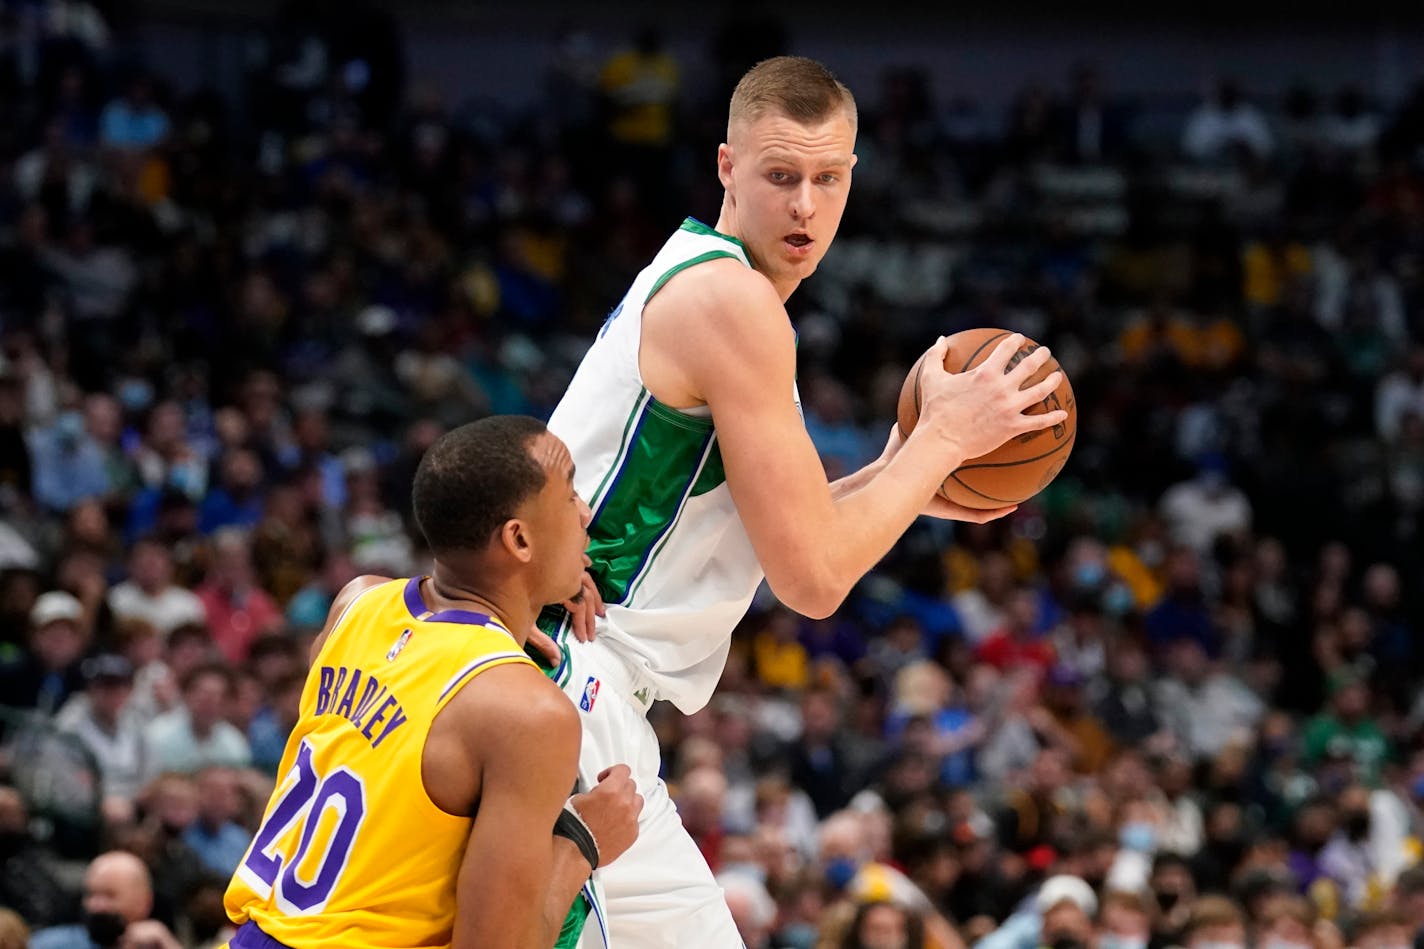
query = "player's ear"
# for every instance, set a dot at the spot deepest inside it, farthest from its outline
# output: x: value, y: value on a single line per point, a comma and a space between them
x: 514, y: 536
x: 724, y: 165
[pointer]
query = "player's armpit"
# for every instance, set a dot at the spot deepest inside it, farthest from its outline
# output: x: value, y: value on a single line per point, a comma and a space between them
x: 731, y: 341
x: 526, y: 742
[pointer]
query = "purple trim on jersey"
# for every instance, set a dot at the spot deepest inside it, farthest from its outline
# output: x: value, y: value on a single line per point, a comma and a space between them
x: 250, y: 936
x: 474, y: 667
x: 415, y: 603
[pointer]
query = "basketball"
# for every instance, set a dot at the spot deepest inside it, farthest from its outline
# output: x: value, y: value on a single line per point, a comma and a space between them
x: 1022, y: 466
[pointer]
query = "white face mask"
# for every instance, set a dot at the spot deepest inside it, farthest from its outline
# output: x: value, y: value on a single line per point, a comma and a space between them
x: 1114, y: 941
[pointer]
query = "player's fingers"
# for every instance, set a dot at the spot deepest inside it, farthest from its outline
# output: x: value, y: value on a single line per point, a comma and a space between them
x: 637, y: 804
x: 1031, y: 363
x: 614, y: 772
x: 591, y: 595
x: 984, y: 517
x: 546, y: 646
x: 1041, y: 389
x: 1004, y: 352
x: 1037, y: 423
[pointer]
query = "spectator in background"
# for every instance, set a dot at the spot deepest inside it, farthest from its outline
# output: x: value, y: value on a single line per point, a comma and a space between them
x: 1400, y: 394
x: 1206, y: 707
x: 1215, y: 922
x: 118, y: 898
x: 133, y: 121
x: 48, y: 672
x: 235, y: 501
x: 885, y: 925
x: 1225, y: 123
x: 150, y: 595
x: 195, y: 734
x: 1346, y: 729
x: 215, y: 836
x: 1091, y: 129
x: 101, y: 719
x: 1124, y: 921
x: 69, y: 466
x: 238, y: 610
x: 753, y: 909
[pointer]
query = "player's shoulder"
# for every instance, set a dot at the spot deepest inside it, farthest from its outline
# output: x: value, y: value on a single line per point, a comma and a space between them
x: 516, y: 701
x: 720, y: 293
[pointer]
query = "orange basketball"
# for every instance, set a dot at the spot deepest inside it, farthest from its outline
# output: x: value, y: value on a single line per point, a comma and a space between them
x: 1022, y: 466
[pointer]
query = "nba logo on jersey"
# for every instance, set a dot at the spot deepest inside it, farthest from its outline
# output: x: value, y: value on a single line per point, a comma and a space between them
x: 399, y: 645
x: 590, y: 694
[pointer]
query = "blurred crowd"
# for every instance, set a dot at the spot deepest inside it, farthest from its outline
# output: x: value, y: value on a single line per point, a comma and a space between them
x: 1172, y: 701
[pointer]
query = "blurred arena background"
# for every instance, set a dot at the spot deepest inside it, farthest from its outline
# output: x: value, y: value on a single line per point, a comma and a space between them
x: 254, y: 257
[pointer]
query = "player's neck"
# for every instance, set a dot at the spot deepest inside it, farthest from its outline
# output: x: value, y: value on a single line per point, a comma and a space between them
x: 506, y: 602
x: 727, y: 225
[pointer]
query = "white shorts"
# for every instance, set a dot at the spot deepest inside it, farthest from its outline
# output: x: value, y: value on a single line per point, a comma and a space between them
x: 660, y: 894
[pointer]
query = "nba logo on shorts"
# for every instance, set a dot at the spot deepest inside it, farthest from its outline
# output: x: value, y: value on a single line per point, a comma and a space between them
x: 590, y: 694
x: 399, y: 645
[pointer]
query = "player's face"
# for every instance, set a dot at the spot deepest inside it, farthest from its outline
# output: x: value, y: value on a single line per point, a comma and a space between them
x: 560, y: 520
x: 788, y: 183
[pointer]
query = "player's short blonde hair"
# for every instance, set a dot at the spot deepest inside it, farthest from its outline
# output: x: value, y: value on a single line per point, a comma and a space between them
x: 798, y: 88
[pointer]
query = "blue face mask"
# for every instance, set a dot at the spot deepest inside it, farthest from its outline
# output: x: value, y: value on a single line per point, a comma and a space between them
x: 840, y: 871
x: 1117, y: 600
x: 1138, y: 836
x: 1089, y: 574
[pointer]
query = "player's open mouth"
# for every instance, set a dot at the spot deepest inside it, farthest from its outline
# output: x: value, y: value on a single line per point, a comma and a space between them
x: 799, y: 244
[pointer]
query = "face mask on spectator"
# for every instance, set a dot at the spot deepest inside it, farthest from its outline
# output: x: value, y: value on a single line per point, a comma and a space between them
x: 1064, y: 941
x: 1139, y: 836
x: 1357, y: 825
x: 1115, y: 941
x: 752, y: 869
x: 105, y: 929
x: 840, y: 871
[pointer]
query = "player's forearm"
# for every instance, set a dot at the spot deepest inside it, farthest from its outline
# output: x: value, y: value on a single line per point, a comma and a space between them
x: 570, y: 873
x: 867, y: 521
x: 853, y: 482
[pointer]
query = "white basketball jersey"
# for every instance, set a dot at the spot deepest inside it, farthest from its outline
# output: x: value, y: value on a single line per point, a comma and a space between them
x: 670, y: 554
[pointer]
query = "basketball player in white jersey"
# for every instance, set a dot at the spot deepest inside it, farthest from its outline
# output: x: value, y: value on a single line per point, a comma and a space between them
x: 685, y: 426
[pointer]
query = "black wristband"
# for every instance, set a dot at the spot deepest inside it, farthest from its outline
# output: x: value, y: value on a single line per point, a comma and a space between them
x: 571, y: 825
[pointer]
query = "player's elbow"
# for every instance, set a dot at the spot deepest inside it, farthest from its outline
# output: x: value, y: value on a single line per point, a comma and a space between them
x: 813, y: 594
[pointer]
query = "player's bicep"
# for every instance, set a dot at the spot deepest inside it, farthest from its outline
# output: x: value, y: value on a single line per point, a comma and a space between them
x: 742, y: 361
x: 528, y: 756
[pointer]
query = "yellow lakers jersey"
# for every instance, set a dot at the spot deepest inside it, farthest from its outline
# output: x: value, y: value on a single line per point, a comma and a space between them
x: 351, y: 851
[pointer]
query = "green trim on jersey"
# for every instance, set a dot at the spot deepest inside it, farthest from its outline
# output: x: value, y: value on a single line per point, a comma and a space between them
x: 679, y: 268
x: 573, y: 923
x: 697, y: 227
x: 662, y: 462
x: 555, y: 622
x: 713, y: 474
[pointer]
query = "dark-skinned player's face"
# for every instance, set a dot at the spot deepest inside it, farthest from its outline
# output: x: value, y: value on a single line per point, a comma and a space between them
x: 558, y: 521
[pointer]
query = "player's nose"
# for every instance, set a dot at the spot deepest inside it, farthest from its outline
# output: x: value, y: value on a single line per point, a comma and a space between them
x: 585, y: 512
x: 803, y: 202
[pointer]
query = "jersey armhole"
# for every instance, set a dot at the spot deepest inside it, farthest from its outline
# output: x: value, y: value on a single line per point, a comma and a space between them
x: 340, y: 623
x: 679, y: 268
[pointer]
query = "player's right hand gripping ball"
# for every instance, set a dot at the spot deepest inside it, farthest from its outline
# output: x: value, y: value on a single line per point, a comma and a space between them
x: 1020, y: 467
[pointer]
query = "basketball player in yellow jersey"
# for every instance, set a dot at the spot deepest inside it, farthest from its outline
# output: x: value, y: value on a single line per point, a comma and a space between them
x: 423, y: 798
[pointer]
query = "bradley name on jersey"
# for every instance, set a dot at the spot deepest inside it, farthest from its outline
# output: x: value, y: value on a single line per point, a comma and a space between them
x: 338, y: 689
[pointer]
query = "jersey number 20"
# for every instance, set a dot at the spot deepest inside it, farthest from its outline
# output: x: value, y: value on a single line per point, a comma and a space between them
x: 306, y: 801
